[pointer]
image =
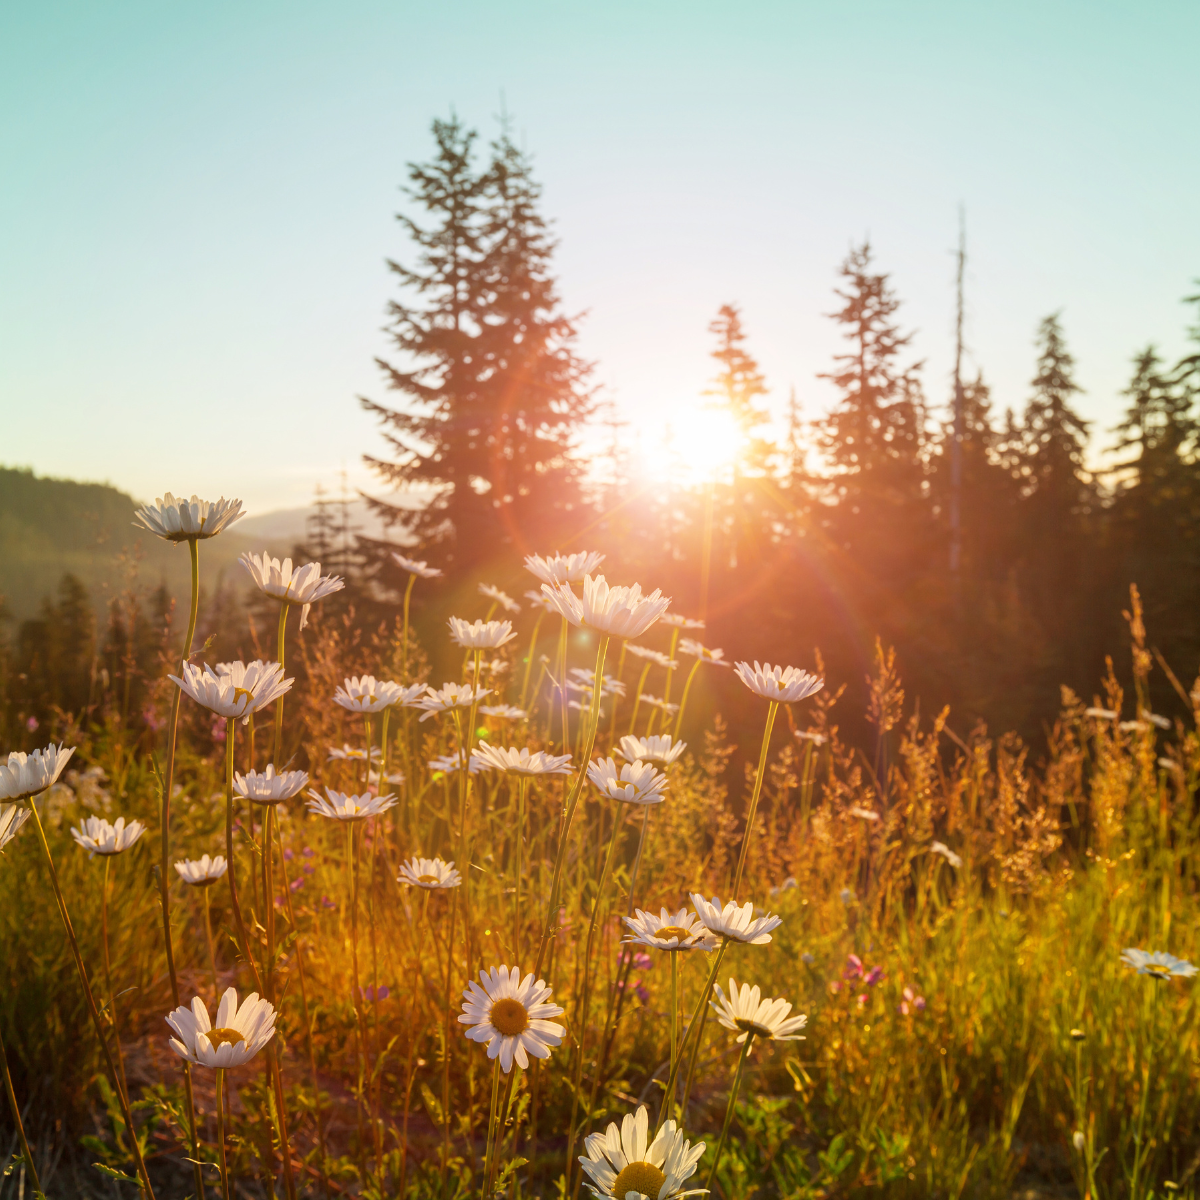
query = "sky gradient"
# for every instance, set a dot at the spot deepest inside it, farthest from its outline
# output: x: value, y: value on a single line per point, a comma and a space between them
x: 197, y: 204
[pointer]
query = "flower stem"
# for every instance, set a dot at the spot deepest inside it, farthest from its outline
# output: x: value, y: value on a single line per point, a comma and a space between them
x: 1137, y: 1145
x: 569, y: 812
x: 91, y: 1003
x: 687, y: 687
x: 16, y: 1116
x: 637, y: 699
x: 491, y: 1130
x: 164, y: 882
x: 221, y: 1133
x: 404, y: 637
x: 562, y: 685
x: 674, y: 1010
x: 352, y: 882
x: 212, y: 959
x: 112, y: 1000
x: 529, y: 660
x: 522, y: 789
x: 231, y: 873
x: 758, y: 783
x: 733, y: 1095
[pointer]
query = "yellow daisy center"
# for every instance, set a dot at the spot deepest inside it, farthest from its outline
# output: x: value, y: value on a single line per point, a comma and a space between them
x: 224, y: 1037
x: 666, y: 932
x: 1158, y: 972
x: 641, y: 1177
x: 748, y: 1026
x: 239, y: 692
x: 509, y: 1017
x: 428, y: 879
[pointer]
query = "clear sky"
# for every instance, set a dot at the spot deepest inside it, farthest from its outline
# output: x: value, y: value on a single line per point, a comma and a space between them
x: 196, y: 201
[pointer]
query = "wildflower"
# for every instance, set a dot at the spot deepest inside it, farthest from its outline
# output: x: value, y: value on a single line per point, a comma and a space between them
x: 654, y: 656
x: 506, y: 712
x: 11, y: 819
x: 97, y: 836
x: 380, y: 993
x: 267, y: 787
x: 854, y: 967
x: 874, y: 976
x: 521, y: 762
x: 326, y: 902
x: 1077, y: 1035
x: 747, y: 1012
x: 480, y: 635
x: 694, y: 649
x: 785, y: 886
x: 203, y: 871
x: 446, y: 763
x: 1160, y: 964
x: 187, y: 520
x: 562, y: 568
x: 678, y: 622
x: 682, y: 930
x: 539, y: 601
x: 1132, y: 726
x: 238, y: 693
x: 619, y: 611
x: 1102, y: 714
x: 586, y: 682
x: 366, y: 694
x: 240, y: 1032
x: 429, y: 873
x: 511, y: 1015
x: 503, y: 599
x: 782, y: 684
x: 350, y: 753
x: 811, y: 735
x: 25, y: 775
x: 656, y: 748
x: 277, y: 579
x: 945, y: 851
x: 1155, y: 719
x: 1078, y: 1141
x: 911, y: 1002
x: 807, y: 959
x: 635, y: 782
x: 846, y: 896
x: 413, y: 567
x: 737, y: 924
x: 623, y: 1161
x: 658, y: 702
x: 447, y: 697
x: 342, y: 807
x: 864, y: 814
x: 32, y: 724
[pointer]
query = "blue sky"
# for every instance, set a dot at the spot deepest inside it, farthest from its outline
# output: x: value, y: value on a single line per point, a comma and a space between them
x: 197, y: 203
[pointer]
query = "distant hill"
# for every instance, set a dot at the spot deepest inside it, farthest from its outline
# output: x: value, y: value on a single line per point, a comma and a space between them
x: 52, y: 526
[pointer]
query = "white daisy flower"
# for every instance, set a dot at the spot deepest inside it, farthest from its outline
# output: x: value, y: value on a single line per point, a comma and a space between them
x: 678, y: 622
x: 1159, y: 964
x: 866, y: 814
x: 12, y: 818
x: 618, y: 611
x: 413, y: 567
x: 1101, y: 714
x: 480, y: 635
x: 446, y: 764
x: 396, y: 777
x: 238, y: 693
x: 97, y: 836
x: 511, y: 1015
x: 746, y: 1012
x: 203, y: 871
x: 681, y: 930
x: 739, y: 924
x: 585, y: 681
x: 562, y: 568
x: 658, y: 702
x: 350, y: 753
x: 184, y: 520
x: 521, y: 762
x: 503, y: 599
x: 635, y: 782
x: 945, y: 851
x: 508, y: 712
x: 811, y: 735
x: 26, y: 775
x: 343, y: 807
x: 659, y: 747
x: 366, y: 694
x: 539, y: 601
x: 239, y: 1034
x: 447, y: 697
x: 654, y: 656
x: 304, y: 586
x: 267, y: 787
x: 1155, y: 719
x: 622, y: 1162
x: 694, y: 649
x: 429, y: 873
x: 784, y: 684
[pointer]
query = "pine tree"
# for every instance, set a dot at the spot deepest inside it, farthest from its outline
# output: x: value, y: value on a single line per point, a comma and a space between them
x: 492, y: 389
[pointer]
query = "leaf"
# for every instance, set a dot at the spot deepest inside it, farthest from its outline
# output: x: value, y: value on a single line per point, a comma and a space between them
x: 432, y: 1105
x: 112, y: 1173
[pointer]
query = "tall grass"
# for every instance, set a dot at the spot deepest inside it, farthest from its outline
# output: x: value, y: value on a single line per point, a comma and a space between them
x: 965, y: 1022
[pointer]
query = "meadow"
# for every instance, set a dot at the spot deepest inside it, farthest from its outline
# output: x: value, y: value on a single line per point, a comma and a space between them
x: 965, y: 930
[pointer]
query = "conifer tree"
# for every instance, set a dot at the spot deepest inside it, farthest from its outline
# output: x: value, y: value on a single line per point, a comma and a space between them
x: 492, y: 390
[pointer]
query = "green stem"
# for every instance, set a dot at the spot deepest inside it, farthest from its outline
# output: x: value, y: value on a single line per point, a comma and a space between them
x: 281, y: 633
x: 491, y: 1130
x: 637, y: 699
x: 122, y: 1082
x: 231, y: 873
x: 404, y: 643
x: 352, y: 881
x: 674, y: 1009
x: 208, y: 939
x: 569, y: 814
x: 562, y: 686
x: 733, y: 1095
x: 91, y: 1003
x: 1137, y: 1146
x: 16, y: 1116
x: 687, y: 687
x: 522, y: 786
x: 529, y: 661
x: 758, y: 783
x: 225, y: 1191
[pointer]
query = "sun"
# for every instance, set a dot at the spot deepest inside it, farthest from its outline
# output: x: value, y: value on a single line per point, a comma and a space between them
x: 704, y: 445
